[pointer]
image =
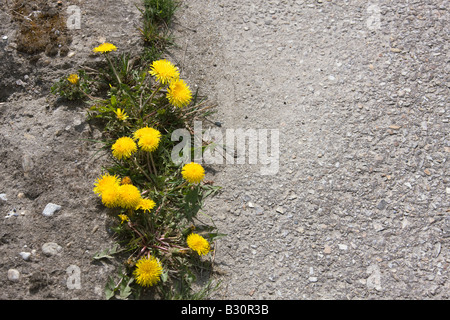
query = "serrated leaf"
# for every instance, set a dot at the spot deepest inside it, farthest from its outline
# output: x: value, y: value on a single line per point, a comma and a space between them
x: 107, y: 253
x: 125, y: 292
x: 109, y: 288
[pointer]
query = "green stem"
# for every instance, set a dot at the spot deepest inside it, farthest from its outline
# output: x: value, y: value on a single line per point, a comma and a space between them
x: 113, y: 68
x: 153, y: 164
x: 142, y: 170
x: 153, y: 94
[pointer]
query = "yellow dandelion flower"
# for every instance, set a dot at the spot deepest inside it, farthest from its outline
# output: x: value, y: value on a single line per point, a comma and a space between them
x: 164, y: 71
x: 148, y: 271
x: 198, y: 243
x: 179, y: 93
x: 123, y: 148
x: 105, y: 47
x: 146, y: 205
x: 129, y: 196
x: 123, y: 218
x: 105, y: 182
x: 73, y: 78
x: 121, y: 115
x: 142, y: 132
x: 148, y: 138
x: 111, y: 196
x: 193, y: 172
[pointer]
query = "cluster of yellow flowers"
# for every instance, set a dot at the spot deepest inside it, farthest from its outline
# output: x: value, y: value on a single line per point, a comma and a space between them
x: 119, y: 193
x: 149, y: 270
x: 178, y: 92
x: 147, y: 139
x: 116, y: 192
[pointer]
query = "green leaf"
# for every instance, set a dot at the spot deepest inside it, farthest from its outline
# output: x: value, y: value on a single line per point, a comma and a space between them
x: 107, y: 253
x: 125, y: 289
x: 113, y: 101
x: 109, y: 288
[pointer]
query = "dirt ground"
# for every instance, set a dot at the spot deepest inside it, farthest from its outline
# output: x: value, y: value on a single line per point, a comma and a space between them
x: 359, y: 94
x: 45, y: 153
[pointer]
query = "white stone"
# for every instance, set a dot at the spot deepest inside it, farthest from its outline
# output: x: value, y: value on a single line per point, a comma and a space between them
x: 50, y: 209
x: 342, y: 246
x: 51, y: 248
x: 13, y: 275
x: 25, y: 255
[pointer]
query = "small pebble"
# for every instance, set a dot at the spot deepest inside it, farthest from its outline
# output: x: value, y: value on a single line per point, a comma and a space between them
x: 382, y: 205
x: 51, y: 248
x: 50, y: 209
x: 25, y: 255
x: 281, y: 210
x: 3, y: 197
x: 13, y: 275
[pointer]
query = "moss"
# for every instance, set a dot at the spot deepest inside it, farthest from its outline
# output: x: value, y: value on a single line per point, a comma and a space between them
x: 41, y: 27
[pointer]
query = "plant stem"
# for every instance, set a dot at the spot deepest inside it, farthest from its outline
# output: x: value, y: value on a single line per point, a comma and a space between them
x: 151, y: 97
x: 113, y: 68
x: 153, y: 163
x: 142, y: 170
x: 148, y: 163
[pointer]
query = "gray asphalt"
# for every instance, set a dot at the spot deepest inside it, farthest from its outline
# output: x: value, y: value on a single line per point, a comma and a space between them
x: 358, y: 93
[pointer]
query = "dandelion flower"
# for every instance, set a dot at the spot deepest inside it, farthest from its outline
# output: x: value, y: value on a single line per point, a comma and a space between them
x: 105, y: 47
x: 129, y: 196
x: 73, y: 78
x: 179, y: 93
x: 142, y: 132
x: 164, y: 71
x: 193, y: 172
x: 148, y: 271
x: 146, y: 205
x: 123, y: 218
x: 148, y: 138
x: 111, y: 196
x: 121, y: 115
x: 123, y: 148
x: 105, y: 182
x: 198, y: 243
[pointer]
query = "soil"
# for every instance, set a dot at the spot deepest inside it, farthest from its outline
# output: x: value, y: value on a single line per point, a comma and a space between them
x: 47, y: 153
x: 359, y: 207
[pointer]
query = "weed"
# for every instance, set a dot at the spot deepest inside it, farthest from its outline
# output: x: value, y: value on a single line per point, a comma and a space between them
x: 154, y: 202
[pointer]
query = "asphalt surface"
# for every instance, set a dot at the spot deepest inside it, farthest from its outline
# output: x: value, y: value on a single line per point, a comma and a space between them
x: 357, y: 203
